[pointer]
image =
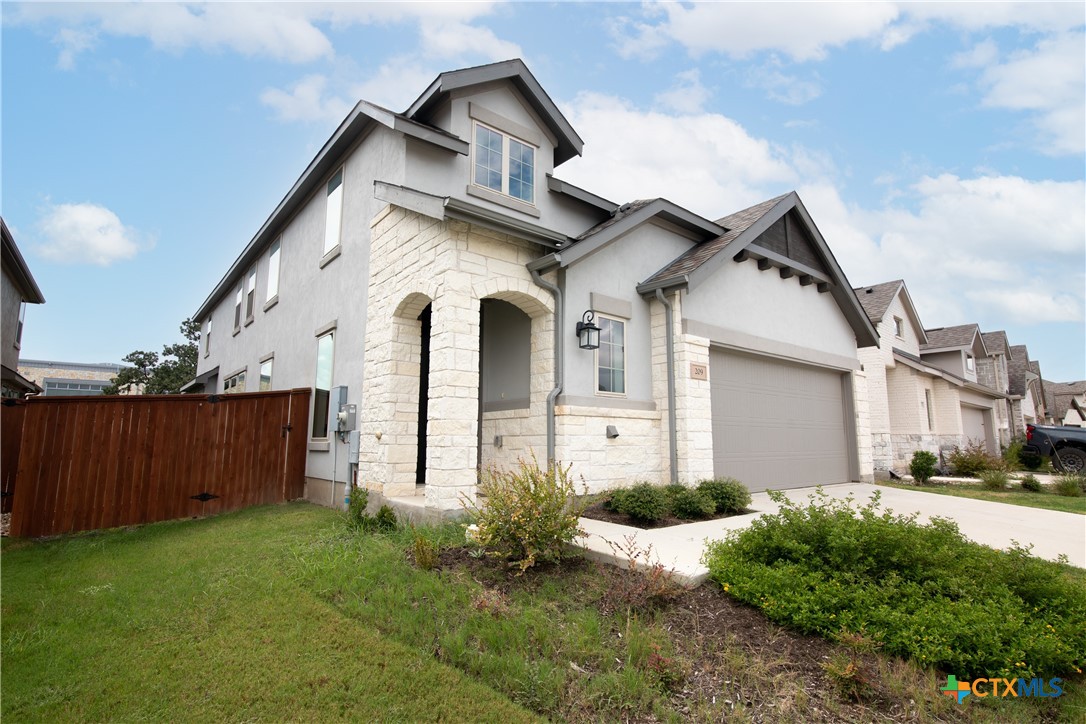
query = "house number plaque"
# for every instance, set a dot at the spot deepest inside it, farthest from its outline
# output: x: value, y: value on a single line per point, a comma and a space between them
x: 698, y: 372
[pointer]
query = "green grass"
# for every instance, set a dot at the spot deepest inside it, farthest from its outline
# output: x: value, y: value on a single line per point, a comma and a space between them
x: 208, y: 620
x: 1014, y: 495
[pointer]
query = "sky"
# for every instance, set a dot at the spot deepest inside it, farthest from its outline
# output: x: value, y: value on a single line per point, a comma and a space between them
x: 943, y: 144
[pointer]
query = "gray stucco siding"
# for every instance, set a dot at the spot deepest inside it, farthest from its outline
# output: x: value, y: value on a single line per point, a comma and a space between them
x: 614, y: 271
x: 12, y: 300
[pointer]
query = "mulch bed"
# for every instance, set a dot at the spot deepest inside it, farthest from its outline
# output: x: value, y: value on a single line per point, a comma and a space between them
x: 778, y: 667
x: 600, y: 510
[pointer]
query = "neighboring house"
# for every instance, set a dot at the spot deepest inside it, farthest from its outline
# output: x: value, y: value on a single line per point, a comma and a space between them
x: 430, y: 263
x: 1027, y: 393
x: 18, y: 289
x: 993, y: 372
x: 915, y: 403
x: 1066, y: 402
x: 69, y: 378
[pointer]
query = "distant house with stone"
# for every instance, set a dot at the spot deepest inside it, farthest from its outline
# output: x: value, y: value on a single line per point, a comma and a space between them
x: 1027, y: 391
x: 17, y: 289
x: 431, y: 268
x: 80, y: 379
x: 993, y: 372
x: 922, y: 385
x: 1066, y: 402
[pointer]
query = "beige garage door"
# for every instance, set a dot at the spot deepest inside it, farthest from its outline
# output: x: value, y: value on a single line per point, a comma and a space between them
x: 973, y: 425
x: 777, y: 424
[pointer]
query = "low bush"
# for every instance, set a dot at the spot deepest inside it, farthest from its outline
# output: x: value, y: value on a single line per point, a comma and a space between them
x: 919, y: 591
x: 994, y: 479
x: 1032, y: 484
x: 1016, y: 457
x: 729, y: 495
x: 691, y: 503
x: 425, y: 552
x: 385, y: 520
x: 971, y: 460
x: 1070, y: 486
x: 356, y: 507
x: 529, y: 515
x: 643, y: 502
x: 923, y: 466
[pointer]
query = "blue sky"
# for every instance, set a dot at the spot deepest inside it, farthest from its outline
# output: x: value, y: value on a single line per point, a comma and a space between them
x: 144, y: 145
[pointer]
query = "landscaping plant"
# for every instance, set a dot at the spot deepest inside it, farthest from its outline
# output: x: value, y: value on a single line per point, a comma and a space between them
x: 728, y: 494
x: 1069, y: 485
x: 529, y: 515
x: 1032, y: 484
x: 994, y: 479
x: 690, y: 503
x: 923, y: 466
x: 643, y: 502
x: 969, y: 461
x: 919, y: 591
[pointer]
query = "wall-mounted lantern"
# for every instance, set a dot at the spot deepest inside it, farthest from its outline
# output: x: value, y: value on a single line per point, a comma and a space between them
x: 588, y: 334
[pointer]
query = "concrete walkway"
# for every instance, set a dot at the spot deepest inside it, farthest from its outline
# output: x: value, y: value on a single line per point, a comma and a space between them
x: 680, y: 547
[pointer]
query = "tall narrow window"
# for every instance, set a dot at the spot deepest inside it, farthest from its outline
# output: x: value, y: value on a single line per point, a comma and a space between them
x: 521, y: 171
x: 334, y: 216
x: 488, y: 158
x: 611, y: 356
x: 931, y: 410
x: 273, y: 269
x: 250, y: 295
x: 322, y: 384
x: 970, y: 363
x: 899, y: 327
x: 265, y: 375
x: 207, y: 339
x: 19, y: 329
x: 237, y: 308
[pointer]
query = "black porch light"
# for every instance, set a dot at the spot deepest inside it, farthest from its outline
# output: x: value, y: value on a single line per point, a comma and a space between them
x: 588, y: 334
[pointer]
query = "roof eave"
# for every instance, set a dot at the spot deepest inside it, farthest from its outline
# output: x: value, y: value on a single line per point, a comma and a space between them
x: 17, y: 267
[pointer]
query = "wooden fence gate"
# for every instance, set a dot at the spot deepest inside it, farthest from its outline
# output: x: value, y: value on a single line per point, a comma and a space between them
x: 100, y: 462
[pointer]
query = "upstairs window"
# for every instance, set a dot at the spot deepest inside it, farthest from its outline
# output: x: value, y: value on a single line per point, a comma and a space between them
x: 899, y: 328
x: 504, y: 164
x: 970, y: 363
x: 250, y: 295
x: 207, y: 339
x: 238, y: 297
x: 19, y: 329
x: 273, y: 270
x: 611, y: 356
x: 334, y: 214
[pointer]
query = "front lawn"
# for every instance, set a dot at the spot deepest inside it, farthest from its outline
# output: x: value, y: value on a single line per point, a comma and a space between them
x: 1014, y: 495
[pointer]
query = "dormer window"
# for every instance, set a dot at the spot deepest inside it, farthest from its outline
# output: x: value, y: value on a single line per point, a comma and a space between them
x: 504, y: 164
x: 970, y: 364
x: 899, y: 327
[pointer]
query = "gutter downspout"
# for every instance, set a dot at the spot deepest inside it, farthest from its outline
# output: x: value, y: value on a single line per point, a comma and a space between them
x: 556, y: 292
x: 673, y: 445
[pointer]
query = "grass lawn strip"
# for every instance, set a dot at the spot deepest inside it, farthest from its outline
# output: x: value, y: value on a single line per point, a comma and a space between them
x: 205, y: 620
x: 1013, y: 495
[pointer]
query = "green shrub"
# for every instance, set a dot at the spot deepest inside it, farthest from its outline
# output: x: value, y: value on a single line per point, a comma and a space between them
x: 919, y: 591
x: 691, y: 503
x: 643, y: 502
x: 356, y: 506
x: 385, y: 520
x: 528, y: 515
x: 972, y: 460
x: 1032, y: 484
x: 994, y: 479
x: 1069, y: 485
x: 729, y: 495
x: 923, y: 466
x: 425, y: 552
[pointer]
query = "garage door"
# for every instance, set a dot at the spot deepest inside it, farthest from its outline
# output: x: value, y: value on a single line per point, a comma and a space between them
x: 973, y: 424
x: 777, y: 424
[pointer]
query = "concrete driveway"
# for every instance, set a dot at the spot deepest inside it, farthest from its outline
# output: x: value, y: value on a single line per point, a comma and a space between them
x: 994, y: 524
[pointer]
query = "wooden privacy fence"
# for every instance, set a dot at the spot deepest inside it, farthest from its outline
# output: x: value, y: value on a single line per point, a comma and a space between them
x: 99, y: 462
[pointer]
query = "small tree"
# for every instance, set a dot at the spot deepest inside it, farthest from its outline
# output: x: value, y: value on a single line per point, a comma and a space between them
x: 922, y: 467
x: 177, y: 366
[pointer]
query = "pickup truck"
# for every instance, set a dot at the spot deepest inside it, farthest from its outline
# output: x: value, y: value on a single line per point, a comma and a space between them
x: 1064, y: 445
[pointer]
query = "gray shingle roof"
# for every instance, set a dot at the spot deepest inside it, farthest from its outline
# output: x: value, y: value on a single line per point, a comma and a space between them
x: 735, y: 223
x: 622, y: 212
x: 996, y: 342
x: 876, y: 299
x: 942, y: 337
x: 1017, y: 366
x: 1058, y: 397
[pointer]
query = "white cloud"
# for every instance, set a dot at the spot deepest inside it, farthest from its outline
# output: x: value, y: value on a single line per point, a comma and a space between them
x: 86, y: 234
x: 72, y: 42
x: 704, y: 161
x: 1049, y: 80
x: 687, y: 95
x: 1027, y: 306
x: 780, y: 86
x: 306, y: 101
x: 980, y: 55
x: 451, y: 39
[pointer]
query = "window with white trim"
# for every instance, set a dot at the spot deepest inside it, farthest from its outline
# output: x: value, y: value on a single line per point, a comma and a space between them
x: 250, y: 295
x: 238, y: 297
x: 207, y: 338
x: 970, y: 363
x: 899, y: 327
x: 19, y: 329
x: 334, y: 214
x: 273, y: 269
x: 234, y: 384
x: 265, y: 375
x: 611, y: 356
x: 504, y: 164
x: 322, y: 384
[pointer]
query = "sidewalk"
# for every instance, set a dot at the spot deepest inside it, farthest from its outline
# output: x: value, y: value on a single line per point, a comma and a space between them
x: 998, y: 525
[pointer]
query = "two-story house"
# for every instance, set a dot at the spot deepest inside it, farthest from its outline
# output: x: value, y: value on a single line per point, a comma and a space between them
x: 17, y: 289
x: 1027, y: 392
x: 993, y: 372
x: 923, y: 389
x: 477, y: 309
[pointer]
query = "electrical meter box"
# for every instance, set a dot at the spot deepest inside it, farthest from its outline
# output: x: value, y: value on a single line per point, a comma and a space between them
x: 347, y: 419
x: 354, y: 443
